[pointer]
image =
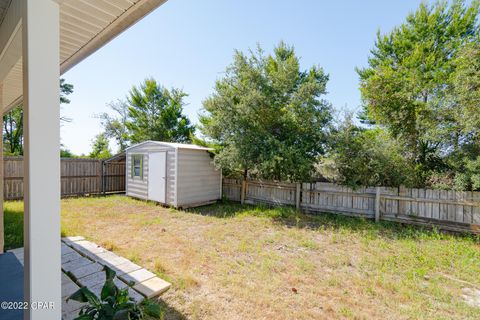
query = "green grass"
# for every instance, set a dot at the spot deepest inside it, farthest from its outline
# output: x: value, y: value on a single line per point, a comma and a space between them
x: 326, y: 221
x: 13, y: 223
x: 228, y: 260
x: 422, y: 266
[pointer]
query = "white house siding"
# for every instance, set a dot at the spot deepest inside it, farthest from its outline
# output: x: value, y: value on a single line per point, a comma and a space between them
x: 137, y: 187
x: 198, y: 181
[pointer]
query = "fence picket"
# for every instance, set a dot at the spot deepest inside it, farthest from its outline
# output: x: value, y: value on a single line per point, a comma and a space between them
x: 78, y: 177
x: 450, y: 210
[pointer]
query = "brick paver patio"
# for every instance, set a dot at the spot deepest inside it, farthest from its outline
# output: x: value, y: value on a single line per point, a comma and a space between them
x: 82, y: 264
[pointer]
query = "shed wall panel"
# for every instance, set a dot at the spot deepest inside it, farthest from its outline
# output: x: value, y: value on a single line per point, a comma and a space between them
x: 198, y: 180
x: 137, y: 187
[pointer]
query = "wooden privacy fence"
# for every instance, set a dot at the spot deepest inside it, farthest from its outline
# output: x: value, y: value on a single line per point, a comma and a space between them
x: 448, y: 210
x: 78, y: 177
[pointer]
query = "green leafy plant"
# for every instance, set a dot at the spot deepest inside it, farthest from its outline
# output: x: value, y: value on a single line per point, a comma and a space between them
x: 113, y: 303
x: 267, y: 117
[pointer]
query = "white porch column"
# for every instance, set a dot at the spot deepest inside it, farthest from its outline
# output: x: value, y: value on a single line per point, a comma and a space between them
x: 41, y: 74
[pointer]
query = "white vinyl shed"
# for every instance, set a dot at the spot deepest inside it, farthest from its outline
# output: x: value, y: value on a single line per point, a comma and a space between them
x: 175, y: 174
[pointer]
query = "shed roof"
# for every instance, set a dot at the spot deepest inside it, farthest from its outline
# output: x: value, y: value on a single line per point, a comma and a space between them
x: 172, y: 145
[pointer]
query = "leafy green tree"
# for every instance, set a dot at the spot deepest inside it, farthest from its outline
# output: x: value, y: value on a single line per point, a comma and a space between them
x: 13, y: 123
x: 116, y: 126
x: 466, y: 90
x: 66, y: 153
x: 203, y: 142
x: 65, y: 90
x: 100, y: 147
x: 365, y: 157
x: 156, y: 113
x: 268, y: 116
x: 13, y: 132
x: 462, y: 101
x: 469, y: 178
x: 408, y: 73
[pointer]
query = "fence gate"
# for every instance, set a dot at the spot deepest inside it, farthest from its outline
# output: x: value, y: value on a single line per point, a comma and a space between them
x: 113, y: 176
x: 78, y: 176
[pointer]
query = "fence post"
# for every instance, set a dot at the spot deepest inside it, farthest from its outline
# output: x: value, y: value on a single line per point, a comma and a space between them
x: 298, y: 195
x: 377, y: 204
x: 102, y: 166
x: 243, y: 191
x: 401, y: 203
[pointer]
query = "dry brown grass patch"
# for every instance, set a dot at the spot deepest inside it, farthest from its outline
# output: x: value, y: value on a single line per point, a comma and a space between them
x: 232, y: 262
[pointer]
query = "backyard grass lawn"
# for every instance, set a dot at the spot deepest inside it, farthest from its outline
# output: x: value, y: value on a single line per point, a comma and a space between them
x: 232, y: 262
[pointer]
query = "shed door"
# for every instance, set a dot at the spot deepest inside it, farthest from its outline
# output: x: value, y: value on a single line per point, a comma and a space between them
x: 157, y: 176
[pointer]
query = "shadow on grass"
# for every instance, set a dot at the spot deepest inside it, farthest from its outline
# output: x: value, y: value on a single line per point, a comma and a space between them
x: 13, y: 224
x: 290, y: 217
x: 169, y: 312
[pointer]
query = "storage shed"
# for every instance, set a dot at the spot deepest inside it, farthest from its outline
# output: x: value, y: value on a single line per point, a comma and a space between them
x: 175, y: 174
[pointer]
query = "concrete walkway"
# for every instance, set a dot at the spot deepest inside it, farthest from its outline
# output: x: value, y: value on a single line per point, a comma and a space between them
x: 82, y: 264
x: 11, y: 288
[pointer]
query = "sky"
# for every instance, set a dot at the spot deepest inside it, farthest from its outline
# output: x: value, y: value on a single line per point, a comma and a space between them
x: 188, y: 44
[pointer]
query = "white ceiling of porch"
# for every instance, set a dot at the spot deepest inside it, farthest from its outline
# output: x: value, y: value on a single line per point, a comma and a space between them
x: 3, y: 8
x: 85, y: 26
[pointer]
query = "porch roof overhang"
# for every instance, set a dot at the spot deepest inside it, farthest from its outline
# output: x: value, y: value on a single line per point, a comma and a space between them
x: 85, y: 26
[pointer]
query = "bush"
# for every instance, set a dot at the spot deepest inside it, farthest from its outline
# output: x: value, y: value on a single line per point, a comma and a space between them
x: 469, y: 176
x: 475, y: 182
x: 113, y: 303
x: 441, y: 180
x: 462, y: 181
x: 366, y: 157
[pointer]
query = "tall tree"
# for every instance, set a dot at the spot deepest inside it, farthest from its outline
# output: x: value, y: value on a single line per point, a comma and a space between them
x: 408, y: 73
x: 100, y: 147
x: 13, y: 122
x: 65, y: 90
x: 466, y: 90
x: 463, y: 100
x: 361, y: 156
x: 156, y: 113
x: 13, y: 132
x: 66, y: 153
x: 116, y: 126
x: 268, y: 115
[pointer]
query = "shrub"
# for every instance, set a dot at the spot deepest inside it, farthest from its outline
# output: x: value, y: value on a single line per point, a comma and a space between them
x: 462, y: 181
x: 366, y: 157
x: 113, y: 303
x: 469, y: 176
x: 441, y: 180
x: 475, y: 182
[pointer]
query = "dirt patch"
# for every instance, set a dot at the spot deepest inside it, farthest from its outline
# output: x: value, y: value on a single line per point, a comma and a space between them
x: 471, y: 296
